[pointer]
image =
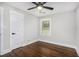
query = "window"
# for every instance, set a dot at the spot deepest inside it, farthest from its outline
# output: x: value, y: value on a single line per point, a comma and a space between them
x: 45, y: 26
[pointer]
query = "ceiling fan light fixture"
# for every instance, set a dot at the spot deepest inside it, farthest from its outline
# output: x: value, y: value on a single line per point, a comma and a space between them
x: 39, y: 8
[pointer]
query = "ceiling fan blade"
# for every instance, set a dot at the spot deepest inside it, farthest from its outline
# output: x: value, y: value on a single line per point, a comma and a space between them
x: 43, y: 3
x: 35, y: 3
x: 32, y: 8
x: 50, y: 8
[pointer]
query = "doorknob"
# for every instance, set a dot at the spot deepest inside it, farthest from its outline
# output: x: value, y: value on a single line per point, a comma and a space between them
x: 13, y: 33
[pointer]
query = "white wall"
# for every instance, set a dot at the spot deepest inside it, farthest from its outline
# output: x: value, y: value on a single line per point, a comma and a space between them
x: 31, y: 28
x: 63, y: 29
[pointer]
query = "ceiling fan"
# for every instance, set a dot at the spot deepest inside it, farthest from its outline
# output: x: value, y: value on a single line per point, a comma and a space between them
x: 40, y: 5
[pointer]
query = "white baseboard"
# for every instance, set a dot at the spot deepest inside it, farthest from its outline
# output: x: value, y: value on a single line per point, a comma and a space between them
x: 5, y: 51
x: 77, y: 50
x: 71, y: 46
x: 29, y: 42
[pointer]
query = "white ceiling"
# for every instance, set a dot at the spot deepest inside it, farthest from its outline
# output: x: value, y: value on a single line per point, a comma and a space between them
x: 58, y: 7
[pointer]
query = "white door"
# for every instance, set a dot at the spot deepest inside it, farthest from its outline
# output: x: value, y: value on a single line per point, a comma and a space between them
x: 16, y: 29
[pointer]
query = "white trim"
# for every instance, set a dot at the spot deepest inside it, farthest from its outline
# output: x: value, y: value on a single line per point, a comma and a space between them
x: 71, y: 46
x: 77, y: 50
x: 5, y: 51
x: 31, y: 41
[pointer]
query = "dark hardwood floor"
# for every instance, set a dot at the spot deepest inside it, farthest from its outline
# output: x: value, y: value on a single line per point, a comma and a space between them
x: 42, y: 49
